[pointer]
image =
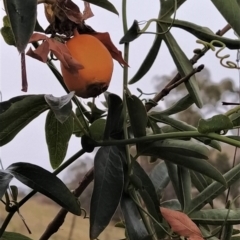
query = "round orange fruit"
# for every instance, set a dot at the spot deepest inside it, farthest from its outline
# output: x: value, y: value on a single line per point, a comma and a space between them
x: 97, y: 62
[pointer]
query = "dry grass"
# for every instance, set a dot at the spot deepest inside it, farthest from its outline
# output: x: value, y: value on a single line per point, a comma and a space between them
x: 38, y: 215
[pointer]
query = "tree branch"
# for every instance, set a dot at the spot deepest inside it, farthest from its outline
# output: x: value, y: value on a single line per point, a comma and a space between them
x: 193, y: 60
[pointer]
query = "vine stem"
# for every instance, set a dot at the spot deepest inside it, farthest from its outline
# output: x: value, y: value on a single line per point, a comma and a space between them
x: 32, y: 193
x: 163, y: 136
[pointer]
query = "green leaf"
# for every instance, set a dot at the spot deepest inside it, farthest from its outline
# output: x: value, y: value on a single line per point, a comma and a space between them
x: 104, y: 4
x: 230, y: 10
x: 171, y: 204
x: 5, y: 179
x: 61, y: 106
x: 180, y: 147
x: 216, y: 216
x: 167, y: 7
x: 114, y: 124
x: 149, y: 59
x: 134, y: 225
x: 216, y: 123
x: 131, y: 34
x: 183, y: 65
x: 96, y: 113
x: 179, y: 106
x: 18, y: 114
x: 146, y: 184
x: 203, y: 33
x: 8, y: 36
x: 22, y: 16
x: 4, y: 106
x: 180, y: 125
x: 184, y: 187
x: 97, y: 129
x: 173, y: 175
x: 192, y: 163
x: 159, y: 177
x: 234, y: 137
x: 57, y: 137
x: 214, y: 189
x: 108, y: 187
x: 235, y: 118
x: 137, y: 115
x: 170, y: 129
x: 78, y: 129
x: 14, y: 236
x: 46, y: 183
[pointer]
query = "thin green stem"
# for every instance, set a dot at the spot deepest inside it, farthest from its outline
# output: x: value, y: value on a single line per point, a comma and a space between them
x: 124, y: 15
x: 232, y: 111
x: 6, y: 222
x: 32, y: 193
x: 163, y: 136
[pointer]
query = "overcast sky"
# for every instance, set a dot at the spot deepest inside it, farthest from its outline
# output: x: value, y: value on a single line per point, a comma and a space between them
x: 29, y: 145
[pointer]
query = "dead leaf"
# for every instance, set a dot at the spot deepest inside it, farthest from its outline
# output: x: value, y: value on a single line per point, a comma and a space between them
x: 87, y: 13
x: 59, y: 49
x: 71, y: 10
x: 106, y: 40
x: 182, y: 224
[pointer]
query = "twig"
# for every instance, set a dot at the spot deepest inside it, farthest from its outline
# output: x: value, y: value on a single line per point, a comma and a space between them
x: 60, y: 217
x: 193, y: 60
x: 169, y: 88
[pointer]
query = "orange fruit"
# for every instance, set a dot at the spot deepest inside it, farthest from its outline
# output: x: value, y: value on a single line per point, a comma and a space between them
x: 97, y: 64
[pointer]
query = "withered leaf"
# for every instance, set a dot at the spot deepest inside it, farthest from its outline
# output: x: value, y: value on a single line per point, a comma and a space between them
x: 106, y: 40
x: 59, y: 49
x: 181, y: 224
x: 87, y: 13
x: 71, y: 10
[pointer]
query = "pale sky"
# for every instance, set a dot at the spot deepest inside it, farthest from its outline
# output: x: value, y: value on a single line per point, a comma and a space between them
x: 29, y: 145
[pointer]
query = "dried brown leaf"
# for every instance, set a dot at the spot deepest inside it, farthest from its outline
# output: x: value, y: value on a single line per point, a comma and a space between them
x: 59, y: 49
x: 87, y: 13
x: 182, y: 224
x: 106, y: 40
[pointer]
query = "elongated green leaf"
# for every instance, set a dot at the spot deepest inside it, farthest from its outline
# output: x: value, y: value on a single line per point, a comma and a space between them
x: 216, y: 216
x: 214, y: 189
x: 192, y: 163
x: 5, y: 179
x: 216, y: 123
x: 4, y: 106
x: 149, y: 59
x: 131, y: 34
x: 46, y: 183
x: 147, y: 185
x: 184, y: 186
x: 180, y: 125
x: 114, y: 123
x: 22, y: 16
x: 171, y: 204
x: 19, y: 114
x: 104, y: 4
x: 57, y: 137
x: 230, y: 10
x: 137, y: 115
x: 181, y: 147
x: 207, y: 233
x: 173, y: 175
x: 134, y: 225
x: 14, y: 236
x: 61, y: 106
x: 203, y: 33
x: 167, y: 7
x: 108, y: 187
x: 160, y: 178
x: 183, y: 65
x: 179, y: 106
